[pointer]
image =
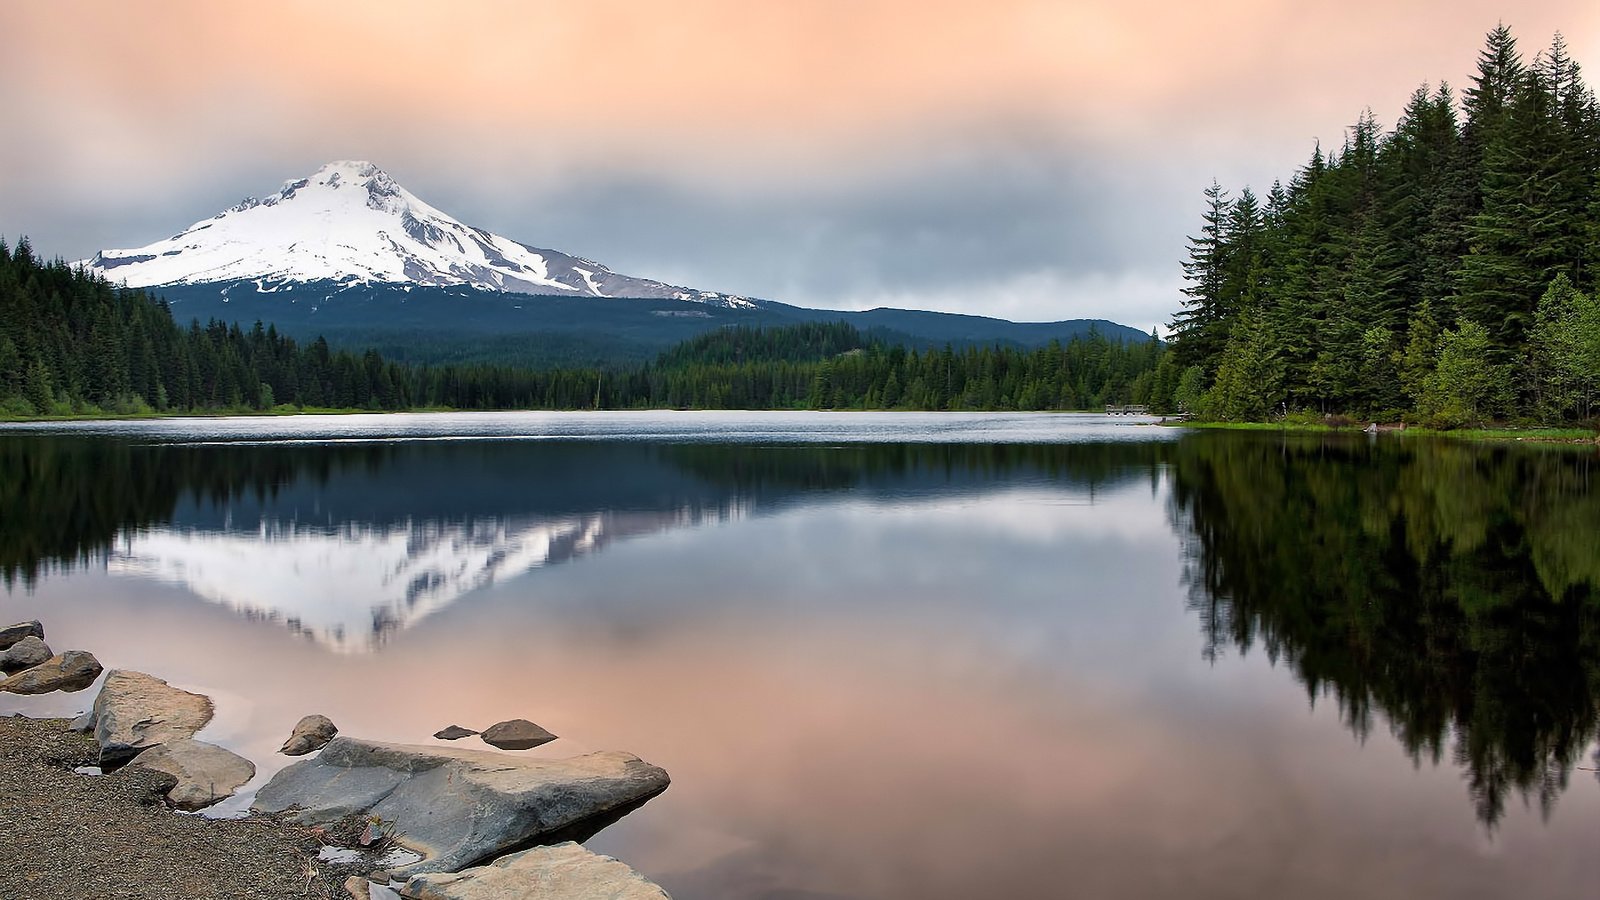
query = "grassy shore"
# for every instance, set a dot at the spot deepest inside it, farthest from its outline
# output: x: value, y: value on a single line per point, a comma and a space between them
x: 1505, y: 433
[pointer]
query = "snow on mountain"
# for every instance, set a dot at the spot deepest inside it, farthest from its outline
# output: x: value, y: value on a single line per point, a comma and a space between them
x: 352, y: 224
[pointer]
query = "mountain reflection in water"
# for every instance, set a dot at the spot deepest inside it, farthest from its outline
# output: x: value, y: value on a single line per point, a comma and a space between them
x: 899, y: 669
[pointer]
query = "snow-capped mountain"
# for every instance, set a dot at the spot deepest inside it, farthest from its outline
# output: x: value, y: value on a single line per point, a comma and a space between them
x: 351, y: 224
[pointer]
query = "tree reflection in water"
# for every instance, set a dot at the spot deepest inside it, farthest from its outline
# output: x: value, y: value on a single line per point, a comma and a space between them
x: 1450, y: 589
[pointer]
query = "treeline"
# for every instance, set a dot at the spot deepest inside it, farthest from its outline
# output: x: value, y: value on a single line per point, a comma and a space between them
x: 833, y: 366
x: 71, y: 344
x: 1444, y: 271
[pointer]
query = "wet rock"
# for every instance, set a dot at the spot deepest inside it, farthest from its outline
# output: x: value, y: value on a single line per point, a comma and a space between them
x: 516, y: 734
x: 559, y: 872
x: 25, y: 654
x: 453, y: 733
x: 205, y: 773
x: 310, y: 733
x: 136, y: 711
x: 73, y: 670
x: 13, y: 633
x: 458, y: 807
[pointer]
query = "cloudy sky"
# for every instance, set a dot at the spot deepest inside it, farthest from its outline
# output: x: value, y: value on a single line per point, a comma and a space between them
x: 1029, y: 160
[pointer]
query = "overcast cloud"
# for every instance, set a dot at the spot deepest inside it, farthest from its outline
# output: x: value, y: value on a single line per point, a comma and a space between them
x: 1028, y: 160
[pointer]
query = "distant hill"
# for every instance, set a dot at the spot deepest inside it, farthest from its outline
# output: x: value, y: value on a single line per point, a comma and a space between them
x: 464, y: 324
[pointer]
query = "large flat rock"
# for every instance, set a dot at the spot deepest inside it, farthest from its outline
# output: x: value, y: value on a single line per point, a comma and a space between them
x: 558, y: 872
x: 206, y: 773
x: 135, y: 712
x: 459, y: 807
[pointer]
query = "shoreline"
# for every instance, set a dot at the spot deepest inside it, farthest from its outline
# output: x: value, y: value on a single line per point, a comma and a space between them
x: 72, y: 835
x: 1540, y: 435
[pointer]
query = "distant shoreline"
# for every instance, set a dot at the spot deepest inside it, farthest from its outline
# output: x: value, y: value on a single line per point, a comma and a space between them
x: 1489, y: 435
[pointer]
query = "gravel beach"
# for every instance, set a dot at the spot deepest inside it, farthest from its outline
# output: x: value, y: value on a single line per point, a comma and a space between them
x: 69, y: 835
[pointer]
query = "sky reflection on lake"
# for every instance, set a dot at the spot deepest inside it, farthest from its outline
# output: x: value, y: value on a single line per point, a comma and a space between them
x: 891, y: 673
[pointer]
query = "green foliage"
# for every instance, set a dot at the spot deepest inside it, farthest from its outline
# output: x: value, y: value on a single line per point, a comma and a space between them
x: 1445, y: 219
x: 1190, y: 395
x: 72, y: 344
x: 1249, y: 383
x: 1564, y: 351
x: 1465, y: 388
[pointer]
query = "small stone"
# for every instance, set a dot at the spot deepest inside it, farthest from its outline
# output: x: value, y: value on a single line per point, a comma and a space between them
x: 25, y: 654
x: 516, y: 734
x: 379, y: 877
x: 453, y: 733
x: 73, y: 670
x: 13, y: 633
x: 309, y: 734
x: 358, y: 888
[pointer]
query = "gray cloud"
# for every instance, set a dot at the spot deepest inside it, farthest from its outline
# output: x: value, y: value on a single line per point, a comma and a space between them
x: 971, y: 234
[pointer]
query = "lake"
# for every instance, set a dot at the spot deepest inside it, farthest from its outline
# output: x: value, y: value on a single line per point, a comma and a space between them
x: 884, y: 655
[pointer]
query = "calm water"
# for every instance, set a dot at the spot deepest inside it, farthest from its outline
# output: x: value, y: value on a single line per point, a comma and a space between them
x: 885, y: 655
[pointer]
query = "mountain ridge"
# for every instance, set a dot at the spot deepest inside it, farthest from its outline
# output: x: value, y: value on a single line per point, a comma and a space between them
x: 348, y: 253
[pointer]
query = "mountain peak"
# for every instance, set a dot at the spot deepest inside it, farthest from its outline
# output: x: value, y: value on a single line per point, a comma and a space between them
x: 351, y: 223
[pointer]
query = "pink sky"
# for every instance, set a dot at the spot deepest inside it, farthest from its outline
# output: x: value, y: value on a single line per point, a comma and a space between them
x: 1025, y: 159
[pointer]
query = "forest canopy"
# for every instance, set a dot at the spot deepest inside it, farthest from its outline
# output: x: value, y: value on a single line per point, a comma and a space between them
x: 1444, y: 271
x: 73, y: 344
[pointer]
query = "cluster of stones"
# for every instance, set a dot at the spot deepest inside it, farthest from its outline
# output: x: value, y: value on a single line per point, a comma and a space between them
x: 31, y: 667
x: 512, y: 734
x: 468, y: 813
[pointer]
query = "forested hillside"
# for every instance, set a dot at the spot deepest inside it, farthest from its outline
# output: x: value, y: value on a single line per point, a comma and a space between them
x: 72, y: 344
x: 1444, y: 271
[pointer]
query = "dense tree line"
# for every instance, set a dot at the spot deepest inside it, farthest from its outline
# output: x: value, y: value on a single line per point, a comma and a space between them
x: 1445, y: 270
x: 71, y: 343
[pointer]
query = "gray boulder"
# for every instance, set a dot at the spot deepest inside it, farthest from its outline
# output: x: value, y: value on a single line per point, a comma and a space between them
x: 453, y: 733
x: 13, y: 633
x: 135, y: 711
x: 559, y: 872
x: 206, y: 773
x: 310, y: 733
x: 25, y: 654
x: 73, y: 670
x: 458, y: 807
x: 516, y: 734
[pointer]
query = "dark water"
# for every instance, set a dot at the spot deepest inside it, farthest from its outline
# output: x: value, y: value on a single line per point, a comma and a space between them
x: 886, y: 656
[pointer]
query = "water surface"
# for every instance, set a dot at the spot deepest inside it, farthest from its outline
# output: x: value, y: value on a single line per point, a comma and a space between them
x: 885, y: 655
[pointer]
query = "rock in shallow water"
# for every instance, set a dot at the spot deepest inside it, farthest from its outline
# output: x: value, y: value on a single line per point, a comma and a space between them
x: 310, y: 733
x: 206, y: 773
x: 13, y: 633
x: 73, y: 670
x: 458, y: 807
x: 136, y: 711
x: 453, y: 733
x: 25, y: 654
x: 516, y: 734
x: 559, y: 872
